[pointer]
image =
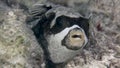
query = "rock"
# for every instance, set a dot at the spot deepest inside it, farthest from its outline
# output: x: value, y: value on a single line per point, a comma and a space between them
x: 18, y: 45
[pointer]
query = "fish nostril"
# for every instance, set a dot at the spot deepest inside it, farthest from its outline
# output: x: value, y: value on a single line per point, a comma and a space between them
x: 76, y: 36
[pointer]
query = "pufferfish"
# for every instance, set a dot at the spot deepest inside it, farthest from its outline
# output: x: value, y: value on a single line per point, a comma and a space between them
x: 61, y: 32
